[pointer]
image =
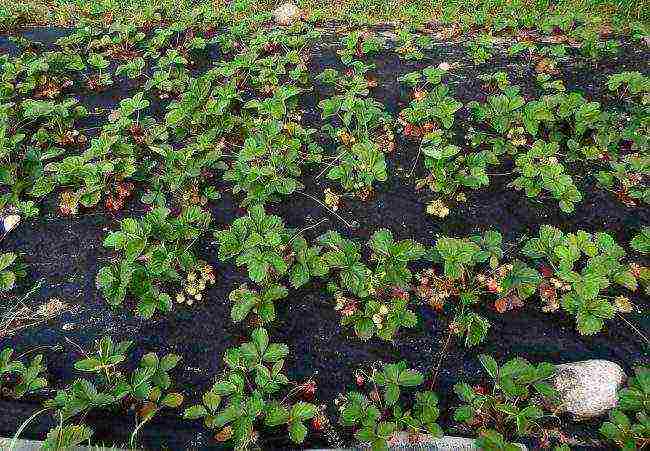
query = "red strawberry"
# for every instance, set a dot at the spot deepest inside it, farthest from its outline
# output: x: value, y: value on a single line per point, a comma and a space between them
x: 546, y: 271
x: 479, y: 389
x: 307, y: 390
x: 493, y: 286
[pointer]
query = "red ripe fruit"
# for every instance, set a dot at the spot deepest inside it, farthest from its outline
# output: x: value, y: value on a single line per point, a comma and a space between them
x: 124, y: 189
x: 419, y: 95
x: 136, y: 130
x: 316, y: 424
x: 114, y: 204
x: 307, y: 390
x: 408, y: 130
x: 493, y: 286
x: 360, y: 380
x: 400, y: 293
x: 479, y: 389
x: 546, y: 271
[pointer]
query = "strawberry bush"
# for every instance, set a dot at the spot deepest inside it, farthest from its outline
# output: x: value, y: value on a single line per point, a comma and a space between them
x: 311, y: 200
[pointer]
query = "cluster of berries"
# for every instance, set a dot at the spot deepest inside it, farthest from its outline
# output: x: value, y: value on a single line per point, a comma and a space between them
x: 195, y: 284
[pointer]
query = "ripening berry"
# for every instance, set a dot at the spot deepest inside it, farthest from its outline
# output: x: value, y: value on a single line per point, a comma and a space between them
x: 493, y: 286
x: 546, y: 271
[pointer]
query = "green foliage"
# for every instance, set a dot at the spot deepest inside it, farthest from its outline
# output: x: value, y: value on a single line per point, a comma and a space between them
x: 267, y: 166
x: 108, y: 385
x: 364, y: 134
x: 589, y: 281
x: 373, y: 301
x: 463, y: 280
x: 153, y: 251
x: 459, y: 255
x: 18, y: 378
x: 411, y: 46
x: 358, y: 44
x: 10, y: 271
x: 360, y: 167
x: 258, y: 241
x: 393, y: 257
x: 248, y: 395
x: 509, y: 405
x: 631, y: 82
x: 66, y: 436
x: 540, y: 169
x: 491, y: 440
x: 378, y: 417
x: 451, y: 168
x: 481, y: 48
x: 641, y: 241
x: 435, y: 107
x: 625, y: 177
x: 629, y: 423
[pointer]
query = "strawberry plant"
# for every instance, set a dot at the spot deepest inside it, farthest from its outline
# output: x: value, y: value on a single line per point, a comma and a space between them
x: 373, y: 301
x: 170, y: 76
x: 392, y: 257
x: 641, y: 241
x: 412, y: 45
x: 101, y: 79
x: 270, y: 252
x: 628, y: 425
x: 465, y: 280
x: 540, y: 169
x: 510, y: 404
x: 360, y: 166
x: 186, y: 172
x: 365, y: 136
x: 247, y: 397
x: 382, y: 413
x: 501, y: 111
x: 10, y: 271
x: 259, y: 242
x: 109, y: 387
x: 628, y: 178
x: 428, y: 109
x: 358, y: 44
x: 18, y: 378
x: 482, y: 48
x: 491, y: 440
x: 451, y: 168
x: 153, y: 252
x: 204, y: 109
x: 23, y: 158
x: 631, y: 83
x: 268, y: 164
x: 586, y: 266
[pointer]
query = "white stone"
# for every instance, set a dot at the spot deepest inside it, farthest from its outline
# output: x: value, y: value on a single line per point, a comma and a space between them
x: 286, y: 14
x: 402, y: 440
x: 10, y: 222
x: 588, y: 388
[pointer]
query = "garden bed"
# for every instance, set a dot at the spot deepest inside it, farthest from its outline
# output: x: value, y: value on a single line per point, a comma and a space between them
x: 64, y: 253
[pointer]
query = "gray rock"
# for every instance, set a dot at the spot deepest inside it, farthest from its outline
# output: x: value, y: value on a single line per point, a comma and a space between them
x: 588, y: 388
x: 402, y: 440
x: 9, y: 223
x: 286, y: 14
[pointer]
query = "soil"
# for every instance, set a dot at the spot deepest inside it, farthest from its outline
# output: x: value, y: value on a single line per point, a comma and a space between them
x: 65, y: 253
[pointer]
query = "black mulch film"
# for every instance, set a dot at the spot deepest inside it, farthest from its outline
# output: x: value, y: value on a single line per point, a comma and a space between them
x: 66, y: 253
